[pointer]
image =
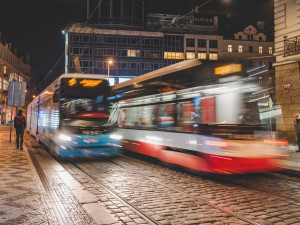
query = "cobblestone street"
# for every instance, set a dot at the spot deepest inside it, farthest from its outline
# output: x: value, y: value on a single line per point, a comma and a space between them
x: 36, y: 189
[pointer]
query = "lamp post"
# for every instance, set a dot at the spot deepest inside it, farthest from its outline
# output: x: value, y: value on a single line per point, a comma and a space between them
x: 109, y: 62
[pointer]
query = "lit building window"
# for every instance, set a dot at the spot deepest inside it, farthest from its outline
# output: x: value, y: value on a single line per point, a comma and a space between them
x: 229, y: 48
x: 270, y: 81
x: 0, y: 83
x: 123, y: 79
x: 271, y: 50
x: 240, y: 49
x: 260, y: 80
x: 4, y: 69
x: 112, y: 81
x: 174, y: 55
x: 260, y: 50
x: 190, y: 55
x: 202, y: 55
x: 5, y: 85
x: 133, y: 53
x: 213, y: 56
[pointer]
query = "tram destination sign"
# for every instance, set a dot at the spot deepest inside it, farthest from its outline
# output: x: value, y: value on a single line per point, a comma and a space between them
x: 83, y: 87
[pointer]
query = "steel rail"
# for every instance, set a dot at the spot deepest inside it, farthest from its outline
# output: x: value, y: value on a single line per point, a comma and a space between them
x: 61, y: 213
x: 127, y: 168
x: 117, y: 196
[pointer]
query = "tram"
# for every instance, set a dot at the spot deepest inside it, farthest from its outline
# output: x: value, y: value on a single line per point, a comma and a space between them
x: 188, y: 115
x: 70, y: 117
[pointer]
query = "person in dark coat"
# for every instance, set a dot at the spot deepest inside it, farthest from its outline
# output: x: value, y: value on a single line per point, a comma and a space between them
x: 297, y: 129
x: 20, y: 125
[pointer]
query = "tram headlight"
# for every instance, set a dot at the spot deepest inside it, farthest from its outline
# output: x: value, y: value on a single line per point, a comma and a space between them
x: 65, y: 137
x: 116, y: 137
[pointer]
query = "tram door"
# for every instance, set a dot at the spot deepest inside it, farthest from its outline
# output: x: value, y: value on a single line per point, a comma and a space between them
x: 208, y: 106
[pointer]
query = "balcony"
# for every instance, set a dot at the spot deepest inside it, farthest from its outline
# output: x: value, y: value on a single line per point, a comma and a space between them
x: 292, y: 48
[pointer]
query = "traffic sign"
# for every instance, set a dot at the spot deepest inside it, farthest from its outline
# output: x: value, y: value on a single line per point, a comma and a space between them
x: 17, y: 86
x: 16, y: 93
x: 22, y: 93
x: 270, y: 102
x: 10, y: 93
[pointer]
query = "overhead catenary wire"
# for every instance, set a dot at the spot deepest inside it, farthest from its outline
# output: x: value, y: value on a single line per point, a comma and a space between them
x: 139, y: 42
x: 62, y: 55
x: 160, y: 29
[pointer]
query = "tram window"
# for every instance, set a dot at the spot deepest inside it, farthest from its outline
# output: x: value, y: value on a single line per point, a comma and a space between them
x: 188, y: 114
x: 144, y: 117
x: 166, y: 115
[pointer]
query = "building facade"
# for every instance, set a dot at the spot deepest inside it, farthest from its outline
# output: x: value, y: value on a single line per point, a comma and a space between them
x: 287, y: 74
x: 162, y: 40
x: 252, y: 48
x: 12, y: 68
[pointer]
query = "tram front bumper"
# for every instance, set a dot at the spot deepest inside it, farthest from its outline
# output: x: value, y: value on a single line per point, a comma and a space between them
x: 89, y: 146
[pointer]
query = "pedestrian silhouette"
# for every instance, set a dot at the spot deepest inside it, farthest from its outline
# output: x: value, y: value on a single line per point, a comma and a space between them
x: 20, y: 124
x: 297, y: 129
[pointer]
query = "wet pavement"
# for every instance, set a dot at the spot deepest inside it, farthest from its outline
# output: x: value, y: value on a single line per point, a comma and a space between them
x: 35, y: 189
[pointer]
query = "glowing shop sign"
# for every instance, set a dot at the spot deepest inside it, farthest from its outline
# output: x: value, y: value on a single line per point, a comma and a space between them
x: 228, y: 69
x: 72, y: 81
x: 90, y: 83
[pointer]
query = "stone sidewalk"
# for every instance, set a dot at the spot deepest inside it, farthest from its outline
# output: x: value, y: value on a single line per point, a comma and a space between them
x: 35, y: 189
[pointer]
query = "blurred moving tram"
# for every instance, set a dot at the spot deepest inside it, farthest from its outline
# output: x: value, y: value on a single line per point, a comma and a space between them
x: 71, y: 117
x: 192, y: 115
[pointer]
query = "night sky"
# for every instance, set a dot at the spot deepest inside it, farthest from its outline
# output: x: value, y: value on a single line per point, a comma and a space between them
x: 34, y: 26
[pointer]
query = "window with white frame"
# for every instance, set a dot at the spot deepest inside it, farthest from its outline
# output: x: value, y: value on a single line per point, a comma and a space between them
x: 240, y: 49
x: 202, y: 55
x: 260, y: 50
x: 190, y: 55
x: 213, y: 56
x: 271, y: 50
x: 229, y: 48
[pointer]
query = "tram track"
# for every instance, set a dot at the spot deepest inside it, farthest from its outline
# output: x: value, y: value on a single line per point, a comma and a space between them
x: 60, y: 212
x: 184, y: 193
x: 232, y: 181
x: 117, y: 196
x: 157, y: 182
x: 268, y: 198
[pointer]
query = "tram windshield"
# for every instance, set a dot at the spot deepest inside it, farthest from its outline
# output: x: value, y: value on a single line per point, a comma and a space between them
x: 84, y: 102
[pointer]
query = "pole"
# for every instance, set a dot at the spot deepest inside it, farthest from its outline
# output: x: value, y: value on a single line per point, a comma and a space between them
x: 108, y: 73
x: 12, y: 108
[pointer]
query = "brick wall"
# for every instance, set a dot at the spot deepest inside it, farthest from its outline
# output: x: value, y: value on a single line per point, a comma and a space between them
x: 289, y: 101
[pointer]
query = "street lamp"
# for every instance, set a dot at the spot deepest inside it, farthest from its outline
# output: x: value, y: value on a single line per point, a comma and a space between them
x: 109, y: 62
